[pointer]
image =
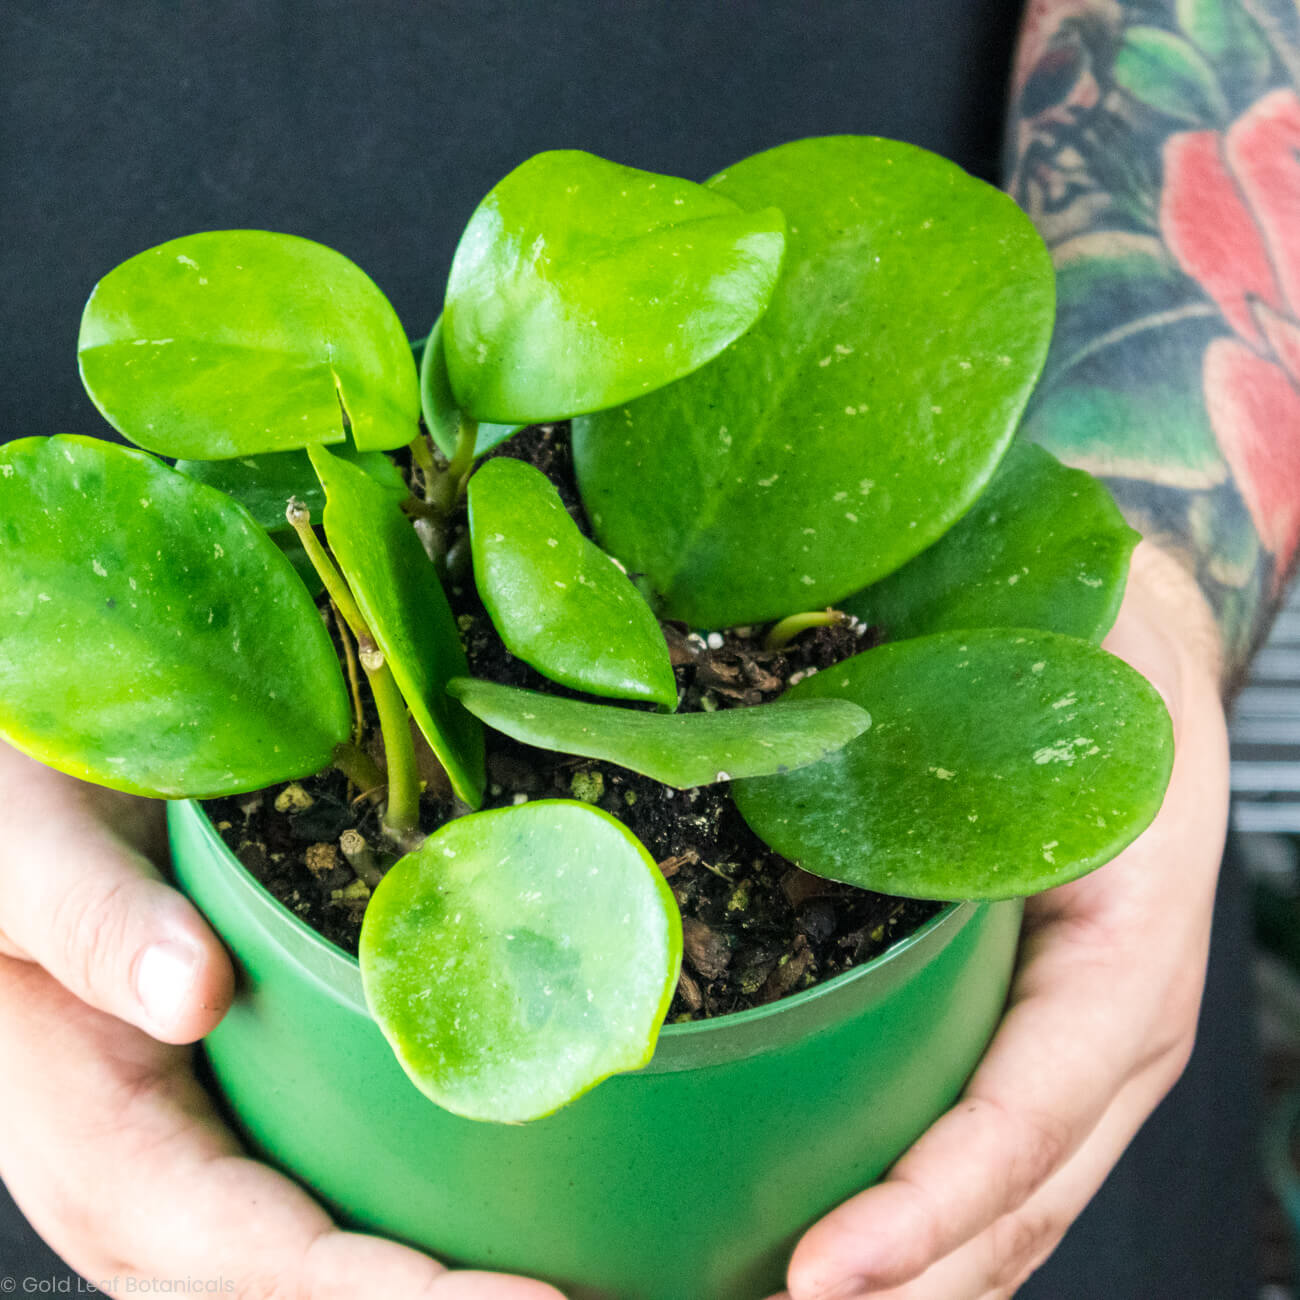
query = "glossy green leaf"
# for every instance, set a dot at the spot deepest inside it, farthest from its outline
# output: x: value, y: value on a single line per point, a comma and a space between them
x: 579, y: 283
x: 557, y: 600
x: 238, y: 342
x: 520, y: 956
x: 1164, y: 72
x: 1000, y: 763
x: 406, y: 610
x: 1044, y: 547
x: 264, y: 484
x: 441, y: 414
x: 859, y: 418
x: 152, y: 637
x: 680, y: 749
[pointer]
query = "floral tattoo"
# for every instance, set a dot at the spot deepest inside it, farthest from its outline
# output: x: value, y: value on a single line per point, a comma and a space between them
x: 1156, y: 144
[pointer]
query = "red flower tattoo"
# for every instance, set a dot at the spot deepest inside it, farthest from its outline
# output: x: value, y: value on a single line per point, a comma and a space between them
x: 1230, y: 213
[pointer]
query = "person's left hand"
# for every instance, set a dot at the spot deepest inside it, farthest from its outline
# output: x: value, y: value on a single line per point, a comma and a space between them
x: 1099, y: 1026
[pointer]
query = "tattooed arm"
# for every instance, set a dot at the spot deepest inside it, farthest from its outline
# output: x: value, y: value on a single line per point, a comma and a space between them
x: 1156, y: 147
x: 1156, y: 144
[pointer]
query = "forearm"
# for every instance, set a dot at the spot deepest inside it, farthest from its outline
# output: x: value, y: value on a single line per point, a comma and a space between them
x: 1154, y: 144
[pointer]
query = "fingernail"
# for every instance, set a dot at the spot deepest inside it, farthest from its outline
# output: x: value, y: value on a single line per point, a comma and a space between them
x: 163, y: 980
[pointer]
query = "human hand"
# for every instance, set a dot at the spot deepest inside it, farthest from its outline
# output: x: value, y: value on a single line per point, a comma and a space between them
x: 110, y: 1146
x: 1100, y: 1022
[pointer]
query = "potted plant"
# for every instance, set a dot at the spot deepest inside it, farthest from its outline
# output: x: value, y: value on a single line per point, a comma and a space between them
x: 792, y: 395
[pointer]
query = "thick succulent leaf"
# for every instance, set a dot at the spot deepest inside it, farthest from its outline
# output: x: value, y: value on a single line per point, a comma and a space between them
x: 441, y: 414
x: 406, y: 610
x: 237, y: 342
x: 264, y: 484
x: 1044, y: 547
x: 579, y: 283
x: 557, y: 600
x: 152, y: 637
x: 1000, y: 763
x: 859, y: 418
x: 680, y: 749
x: 520, y: 956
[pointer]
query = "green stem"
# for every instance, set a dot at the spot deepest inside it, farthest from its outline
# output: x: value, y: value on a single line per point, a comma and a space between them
x: 299, y: 518
x: 358, y: 767
x: 402, y: 815
x: 781, y: 634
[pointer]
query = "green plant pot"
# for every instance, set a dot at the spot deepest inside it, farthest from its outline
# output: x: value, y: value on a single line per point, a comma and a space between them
x: 690, y: 1178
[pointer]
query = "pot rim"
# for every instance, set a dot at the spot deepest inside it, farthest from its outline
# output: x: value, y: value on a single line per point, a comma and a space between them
x: 679, y: 1046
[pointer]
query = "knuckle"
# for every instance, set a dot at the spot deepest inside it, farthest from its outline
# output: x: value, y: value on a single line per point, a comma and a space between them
x: 1021, y: 1242
x: 1038, y: 1142
x: 87, y: 931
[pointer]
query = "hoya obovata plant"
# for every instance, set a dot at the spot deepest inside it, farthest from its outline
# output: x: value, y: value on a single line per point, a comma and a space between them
x: 792, y: 389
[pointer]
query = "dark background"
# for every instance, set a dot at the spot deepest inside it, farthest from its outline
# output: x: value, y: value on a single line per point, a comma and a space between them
x: 375, y: 127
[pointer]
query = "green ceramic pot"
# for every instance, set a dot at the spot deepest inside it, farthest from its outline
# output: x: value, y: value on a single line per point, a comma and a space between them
x: 691, y: 1178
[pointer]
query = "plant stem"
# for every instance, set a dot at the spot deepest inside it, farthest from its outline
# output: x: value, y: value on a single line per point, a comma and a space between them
x: 781, y: 634
x: 354, y: 682
x: 422, y: 459
x: 402, y: 815
x: 449, y: 483
x: 299, y: 518
x: 359, y: 768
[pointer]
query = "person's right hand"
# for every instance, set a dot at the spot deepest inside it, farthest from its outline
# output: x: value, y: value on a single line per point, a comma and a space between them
x: 108, y: 1143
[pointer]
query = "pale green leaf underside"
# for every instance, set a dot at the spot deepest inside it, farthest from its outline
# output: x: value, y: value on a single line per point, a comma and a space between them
x: 681, y: 749
x: 146, y: 625
x: 441, y: 414
x: 999, y: 763
x: 519, y: 957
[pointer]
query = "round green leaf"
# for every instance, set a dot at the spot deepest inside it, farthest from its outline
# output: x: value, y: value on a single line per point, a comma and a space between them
x: 579, y: 283
x: 152, y: 637
x: 859, y: 418
x: 558, y: 601
x: 519, y: 957
x: 235, y: 342
x: 1045, y: 547
x: 263, y: 485
x: 441, y: 414
x: 1000, y: 763
x: 406, y: 610
x: 680, y: 749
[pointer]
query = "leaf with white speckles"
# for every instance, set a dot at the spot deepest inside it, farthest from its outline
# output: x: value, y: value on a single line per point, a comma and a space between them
x: 237, y: 342
x: 558, y: 601
x: 858, y: 418
x: 579, y: 283
x: 1000, y: 763
x: 1045, y: 546
x: 679, y: 749
x: 519, y: 957
x: 152, y: 637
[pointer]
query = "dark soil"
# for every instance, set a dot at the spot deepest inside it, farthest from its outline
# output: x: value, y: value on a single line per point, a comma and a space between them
x: 755, y: 927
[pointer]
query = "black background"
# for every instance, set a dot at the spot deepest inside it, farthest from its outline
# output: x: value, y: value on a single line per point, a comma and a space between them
x: 375, y: 127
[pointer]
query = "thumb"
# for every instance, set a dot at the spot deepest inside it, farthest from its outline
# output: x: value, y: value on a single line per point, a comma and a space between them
x: 80, y: 901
